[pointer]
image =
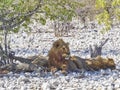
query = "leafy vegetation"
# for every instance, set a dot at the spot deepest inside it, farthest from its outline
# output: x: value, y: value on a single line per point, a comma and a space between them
x: 109, y: 11
x: 16, y: 13
x: 20, y: 12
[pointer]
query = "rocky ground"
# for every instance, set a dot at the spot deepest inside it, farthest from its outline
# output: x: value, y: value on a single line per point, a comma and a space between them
x: 28, y: 44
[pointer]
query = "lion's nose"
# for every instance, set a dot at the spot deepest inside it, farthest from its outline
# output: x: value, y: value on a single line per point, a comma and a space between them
x: 68, y: 53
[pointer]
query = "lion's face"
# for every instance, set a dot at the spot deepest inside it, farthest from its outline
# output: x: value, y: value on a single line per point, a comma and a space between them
x: 110, y: 63
x: 62, y: 48
x: 59, y: 54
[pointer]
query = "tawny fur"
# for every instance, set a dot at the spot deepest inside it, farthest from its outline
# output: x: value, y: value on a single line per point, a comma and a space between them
x: 93, y: 63
x: 57, y: 55
x: 59, y: 59
x: 100, y: 63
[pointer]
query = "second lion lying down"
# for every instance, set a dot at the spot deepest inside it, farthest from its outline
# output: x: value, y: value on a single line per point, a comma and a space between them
x: 93, y: 63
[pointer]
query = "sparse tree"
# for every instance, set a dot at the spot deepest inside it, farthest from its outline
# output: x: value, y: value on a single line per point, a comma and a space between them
x: 17, y: 13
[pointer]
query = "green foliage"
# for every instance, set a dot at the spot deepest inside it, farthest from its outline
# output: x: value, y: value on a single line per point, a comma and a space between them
x: 117, y: 12
x: 16, y: 30
x: 100, y: 4
x: 104, y: 18
x: 5, y: 3
x: 16, y: 12
x: 109, y: 10
x: 116, y: 3
x: 60, y: 9
x: 43, y: 21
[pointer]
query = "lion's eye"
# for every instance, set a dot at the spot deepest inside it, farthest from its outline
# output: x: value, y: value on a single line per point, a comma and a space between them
x: 63, y: 48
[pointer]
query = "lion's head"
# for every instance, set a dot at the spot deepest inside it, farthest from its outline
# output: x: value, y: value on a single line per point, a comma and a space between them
x: 109, y: 62
x: 59, y: 53
x: 62, y: 48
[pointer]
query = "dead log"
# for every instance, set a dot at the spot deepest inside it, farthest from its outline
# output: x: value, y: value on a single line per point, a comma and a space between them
x: 17, y: 66
x: 14, y: 63
x: 11, y: 62
x: 96, y: 50
x: 21, y: 59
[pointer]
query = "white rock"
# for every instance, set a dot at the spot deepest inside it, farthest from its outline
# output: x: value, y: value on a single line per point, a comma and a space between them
x: 45, y: 86
x: 40, y: 43
x: 2, y: 88
x: 110, y: 88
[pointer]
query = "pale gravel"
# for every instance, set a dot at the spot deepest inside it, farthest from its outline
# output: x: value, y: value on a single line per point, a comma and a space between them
x: 25, y: 44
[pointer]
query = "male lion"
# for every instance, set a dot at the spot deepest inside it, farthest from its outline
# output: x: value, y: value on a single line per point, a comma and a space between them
x: 59, y: 55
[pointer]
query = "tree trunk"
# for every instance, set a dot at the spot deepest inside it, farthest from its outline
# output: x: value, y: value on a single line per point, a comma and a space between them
x: 5, y: 42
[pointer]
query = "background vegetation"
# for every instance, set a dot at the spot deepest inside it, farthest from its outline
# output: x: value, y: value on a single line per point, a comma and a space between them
x: 17, y: 13
x: 14, y: 13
